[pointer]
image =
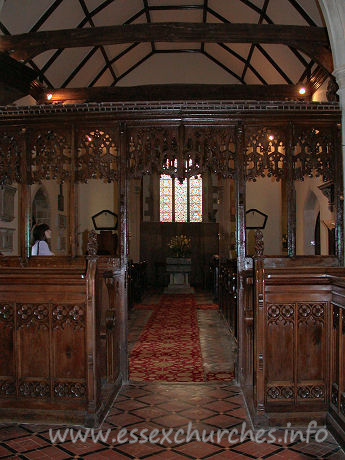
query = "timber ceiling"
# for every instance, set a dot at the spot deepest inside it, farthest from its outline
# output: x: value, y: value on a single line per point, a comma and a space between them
x: 163, y: 62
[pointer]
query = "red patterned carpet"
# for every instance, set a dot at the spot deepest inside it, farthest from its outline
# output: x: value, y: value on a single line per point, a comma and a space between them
x: 169, y: 349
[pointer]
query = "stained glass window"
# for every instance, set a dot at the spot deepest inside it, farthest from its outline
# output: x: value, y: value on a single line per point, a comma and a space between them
x: 195, y: 199
x: 180, y: 202
x: 166, y: 209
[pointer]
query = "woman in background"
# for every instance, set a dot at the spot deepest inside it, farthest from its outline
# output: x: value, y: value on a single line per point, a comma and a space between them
x: 41, y: 234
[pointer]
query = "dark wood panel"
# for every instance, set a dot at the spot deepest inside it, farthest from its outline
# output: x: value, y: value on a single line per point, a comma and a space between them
x: 69, y: 352
x: 43, y: 366
x: 154, y: 240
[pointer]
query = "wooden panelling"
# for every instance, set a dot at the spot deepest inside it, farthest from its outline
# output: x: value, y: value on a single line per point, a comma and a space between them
x: 336, y: 416
x: 45, y: 363
x: 298, y: 350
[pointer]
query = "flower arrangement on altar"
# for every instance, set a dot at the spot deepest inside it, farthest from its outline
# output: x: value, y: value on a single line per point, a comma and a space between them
x: 180, y: 245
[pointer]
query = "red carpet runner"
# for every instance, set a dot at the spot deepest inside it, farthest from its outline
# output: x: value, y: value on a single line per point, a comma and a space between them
x: 168, y: 349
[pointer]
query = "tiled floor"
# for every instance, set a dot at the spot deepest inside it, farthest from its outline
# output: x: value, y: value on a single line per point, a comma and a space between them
x: 182, y: 415
x: 208, y: 410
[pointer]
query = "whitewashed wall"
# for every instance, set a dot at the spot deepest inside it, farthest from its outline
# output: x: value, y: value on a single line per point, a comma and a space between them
x: 265, y: 195
x: 305, y: 231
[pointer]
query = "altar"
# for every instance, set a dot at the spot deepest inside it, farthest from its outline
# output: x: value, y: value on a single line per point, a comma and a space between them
x: 179, y: 269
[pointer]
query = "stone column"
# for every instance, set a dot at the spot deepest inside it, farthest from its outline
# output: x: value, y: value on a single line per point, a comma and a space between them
x: 334, y: 15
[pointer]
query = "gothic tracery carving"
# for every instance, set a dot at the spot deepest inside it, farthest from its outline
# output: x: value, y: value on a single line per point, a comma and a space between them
x: 69, y: 390
x: 34, y: 389
x: 98, y: 156
x: 265, y: 154
x: 314, y: 154
x: 10, y: 158
x: 7, y: 313
x: 50, y: 157
x: 73, y: 315
x: 33, y: 314
x: 7, y: 388
x: 311, y: 391
x: 280, y: 392
x: 311, y: 311
x: 280, y: 313
x: 182, y: 152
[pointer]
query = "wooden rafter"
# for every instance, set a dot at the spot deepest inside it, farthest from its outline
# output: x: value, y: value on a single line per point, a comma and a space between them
x: 92, y: 24
x: 252, y: 48
x: 28, y: 45
x: 173, y: 92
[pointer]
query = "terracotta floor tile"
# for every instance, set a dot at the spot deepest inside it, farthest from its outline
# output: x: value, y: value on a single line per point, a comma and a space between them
x: 219, y: 394
x: 134, y: 392
x: 149, y: 413
x: 128, y: 405
x: 139, y: 450
x: 154, y: 399
x: 52, y: 452
x: 27, y: 443
x: 258, y: 450
x: 287, y: 454
x: 221, y: 406
x: 223, y: 421
x: 107, y: 454
x: 172, y: 420
x: 80, y: 448
x: 197, y: 413
x: 10, y: 432
x: 167, y: 455
x: 241, y: 412
x: 228, y: 455
x: 197, y: 449
x: 124, y: 419
x: 4, y: 452
x: 175, y: 406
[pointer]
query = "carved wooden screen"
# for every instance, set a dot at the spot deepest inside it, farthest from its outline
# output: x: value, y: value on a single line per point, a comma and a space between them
x: 210, y: 149
x: 314, y: 153
x: 265, y: 153
x: 11, y: 152
x: 98, y: 154
x: 50, y: 156
x: 182, y: 152
x: 152, y: 150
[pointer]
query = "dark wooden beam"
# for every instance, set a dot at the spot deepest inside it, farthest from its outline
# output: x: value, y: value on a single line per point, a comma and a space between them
x: 15, y: 79
x: 28, y: 45
x: 175, y: 92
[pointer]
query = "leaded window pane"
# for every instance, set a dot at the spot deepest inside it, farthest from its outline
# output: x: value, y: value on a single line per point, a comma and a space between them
x: 181, y: 203
x: 195, y: 199
x: 165, y: 198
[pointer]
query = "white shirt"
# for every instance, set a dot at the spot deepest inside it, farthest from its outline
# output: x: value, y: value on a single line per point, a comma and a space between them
x: 41, y: 248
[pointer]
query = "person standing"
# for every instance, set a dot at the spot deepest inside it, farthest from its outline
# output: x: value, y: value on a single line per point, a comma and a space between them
x: 41, y: 235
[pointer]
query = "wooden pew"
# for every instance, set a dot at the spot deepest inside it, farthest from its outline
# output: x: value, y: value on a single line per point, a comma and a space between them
x: 292, y: 340
x: 336, y: 414
x: 59, y: 321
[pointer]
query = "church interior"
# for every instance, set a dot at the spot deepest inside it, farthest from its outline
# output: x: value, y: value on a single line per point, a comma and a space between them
x: 172, y: 225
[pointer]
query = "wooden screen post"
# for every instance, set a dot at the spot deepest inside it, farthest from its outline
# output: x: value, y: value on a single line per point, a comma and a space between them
x: 338, y: 197
x: 123, y: 307
x: 25, y: 202
x: 290, y: 195
x: 73, y: 198
x: 259, y: 330
x: 240, y: 240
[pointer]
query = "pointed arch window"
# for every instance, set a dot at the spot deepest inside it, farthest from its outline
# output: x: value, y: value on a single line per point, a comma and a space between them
x: 180, y: 202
